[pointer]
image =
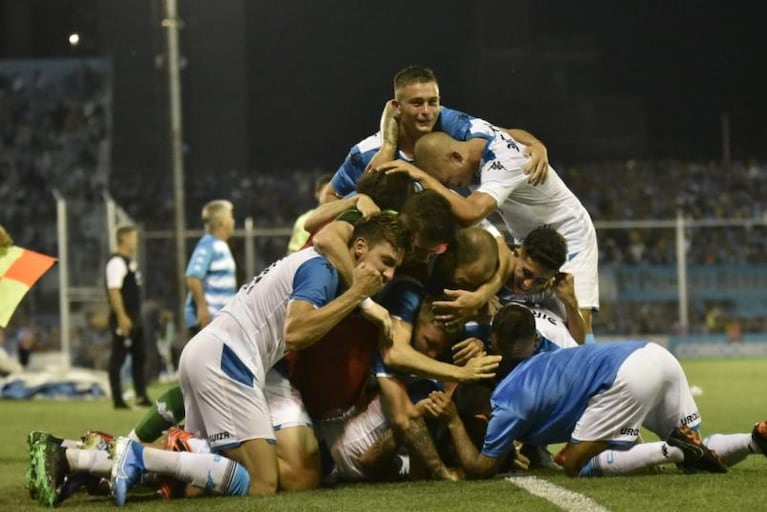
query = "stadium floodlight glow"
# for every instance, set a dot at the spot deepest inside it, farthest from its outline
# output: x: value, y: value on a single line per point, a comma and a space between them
x: 74, y: 39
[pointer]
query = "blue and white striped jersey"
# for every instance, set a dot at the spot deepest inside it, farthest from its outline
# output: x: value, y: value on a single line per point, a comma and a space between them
x: 212, y: 263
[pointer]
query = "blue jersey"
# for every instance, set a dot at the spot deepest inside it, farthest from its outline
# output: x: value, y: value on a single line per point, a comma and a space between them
x: 212, y: 263
x: 457, y: 124
x: 542, y: 399
x: 402, y: 299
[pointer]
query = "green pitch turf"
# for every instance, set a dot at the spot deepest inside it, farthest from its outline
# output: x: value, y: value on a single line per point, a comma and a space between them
x: 733, y: 399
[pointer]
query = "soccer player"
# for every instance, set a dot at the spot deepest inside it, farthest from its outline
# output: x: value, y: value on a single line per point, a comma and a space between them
x: 445, y: 162
x: 595, y: 398
x: 415, y: 111
x: 211, y: 272
x: 289, y: 306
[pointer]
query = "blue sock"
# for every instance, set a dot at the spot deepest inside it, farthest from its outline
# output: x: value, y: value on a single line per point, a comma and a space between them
x: 590, y: 339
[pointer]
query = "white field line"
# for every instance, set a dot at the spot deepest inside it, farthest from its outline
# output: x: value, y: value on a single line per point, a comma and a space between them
x: 565, y: 499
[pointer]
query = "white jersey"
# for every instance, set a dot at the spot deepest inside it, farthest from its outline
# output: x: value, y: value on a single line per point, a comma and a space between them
x: 525, y: 207
x: 252, y: 324
x: 551, y: 325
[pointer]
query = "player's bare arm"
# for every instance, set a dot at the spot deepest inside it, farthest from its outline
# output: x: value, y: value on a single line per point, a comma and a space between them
x: 198, y: 296
x: 305, y: 324
x: 564, y: 290
x: 389, y: 136
x: 538, y: 166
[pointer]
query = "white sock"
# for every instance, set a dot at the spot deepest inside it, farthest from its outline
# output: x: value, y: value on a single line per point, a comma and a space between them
x: 134, y: 436
x: 92, y: 461
x: 208, y: 471
x: 639, y: 457
x: 732, y: 448
x: 70, y: 443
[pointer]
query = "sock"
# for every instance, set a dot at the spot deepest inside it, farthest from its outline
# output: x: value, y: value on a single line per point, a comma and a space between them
x: 209, y: 471
x: 589, y: 339
x: 639, y: 457
x: 70, y: 443
x: 168, y: 410
x: 91, y: 461
x: 732, y: 448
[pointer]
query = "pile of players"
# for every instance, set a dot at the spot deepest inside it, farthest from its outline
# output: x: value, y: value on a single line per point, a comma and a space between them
x: 412, y: 338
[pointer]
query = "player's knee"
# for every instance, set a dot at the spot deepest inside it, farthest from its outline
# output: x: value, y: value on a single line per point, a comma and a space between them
x: 262, y: 486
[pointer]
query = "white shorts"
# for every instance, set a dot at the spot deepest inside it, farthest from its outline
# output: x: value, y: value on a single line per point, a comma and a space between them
x: 650, y: 390
x: 348, y: 438
x: 285, y: 404
x: 584, y: 266
x: 223, y: 392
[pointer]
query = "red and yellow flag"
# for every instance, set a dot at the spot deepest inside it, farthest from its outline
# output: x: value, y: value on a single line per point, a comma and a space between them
x: 19, y: 270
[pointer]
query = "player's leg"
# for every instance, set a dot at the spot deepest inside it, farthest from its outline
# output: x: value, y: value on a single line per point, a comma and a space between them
x: 138, y: 366
x: 584, y: 266
x: 165, y: 412
x: 116, y: 360
x: 298, y: 452
x: 734, y: 448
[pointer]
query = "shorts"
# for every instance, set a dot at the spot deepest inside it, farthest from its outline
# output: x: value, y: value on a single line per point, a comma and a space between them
x: 584, y: 266
x: 224, y: 396
x: 649, y: 390
x: 285, y: 403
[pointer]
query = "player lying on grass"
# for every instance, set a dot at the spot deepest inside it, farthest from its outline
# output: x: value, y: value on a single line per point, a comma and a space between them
x: 595, y: 398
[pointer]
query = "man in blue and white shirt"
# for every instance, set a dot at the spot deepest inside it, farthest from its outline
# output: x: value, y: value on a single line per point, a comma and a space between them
x: 211, y: 272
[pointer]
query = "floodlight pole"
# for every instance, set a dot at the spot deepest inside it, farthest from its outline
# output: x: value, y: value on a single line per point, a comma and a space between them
x: 171, y: 23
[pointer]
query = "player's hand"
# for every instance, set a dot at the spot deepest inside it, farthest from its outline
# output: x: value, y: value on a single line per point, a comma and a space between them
x: 520, y: 461
x: 459, y: 306
x: 366, y: 280
x: 389, y: 134
x: 124, y: 325
x: 467, y: 349
x: 377, y: 314
x: 203, y: 316
x: 449, y: 474
x: 538, y: 166
x: 564, y: 288
x: 440, y: 406
x: 478, y: 368
x: 402, y: 166
x: 366, y: 206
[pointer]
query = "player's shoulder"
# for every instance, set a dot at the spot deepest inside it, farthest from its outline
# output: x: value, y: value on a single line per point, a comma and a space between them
x: 369, y: 144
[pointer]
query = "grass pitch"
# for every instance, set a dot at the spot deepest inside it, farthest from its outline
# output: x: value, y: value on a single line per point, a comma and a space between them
x: 733, y: 399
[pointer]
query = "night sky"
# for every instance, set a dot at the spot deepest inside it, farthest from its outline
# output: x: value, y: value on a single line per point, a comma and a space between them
x: 319, y: 71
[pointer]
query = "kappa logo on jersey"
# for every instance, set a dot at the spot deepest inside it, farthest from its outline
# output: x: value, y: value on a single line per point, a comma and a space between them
x: 497, y: 166
x: 629, y: 431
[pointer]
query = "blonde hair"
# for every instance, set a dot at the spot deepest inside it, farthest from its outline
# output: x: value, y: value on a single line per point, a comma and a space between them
x: 213, y: 212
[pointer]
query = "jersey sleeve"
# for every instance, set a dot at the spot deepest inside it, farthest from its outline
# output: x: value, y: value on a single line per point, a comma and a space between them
x: 402, y: 299
x: 344, y: 181
x: 505, y: 426
x: 315, y: 281
x: 116, y: 271
x: 503, y: 170
x: 462, y: 126
x: 200, y: 260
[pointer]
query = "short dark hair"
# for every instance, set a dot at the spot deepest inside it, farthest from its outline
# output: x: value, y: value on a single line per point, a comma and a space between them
x: 413, y: 75
x: 546, y: 246
x: 512, y: 324
x: 384, y: 227
x: 470, y: 245
x: 428, y: 214
x: 388, y: 191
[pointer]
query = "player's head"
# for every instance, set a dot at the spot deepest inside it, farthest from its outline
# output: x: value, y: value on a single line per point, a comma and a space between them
x: 468, y: 263
x: 432, y: 223
x: 429, y: 338
x: 444, y: 158
x: 513, y: 336
x: 319, y: 184
x: 126, y: 237
x: 381, y: 241
x: 388, y: 191
x: 536, y: 263
x: 472, y: 401
x: 416, y: 99
x: 218, y: 217
x: 5, y: 240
